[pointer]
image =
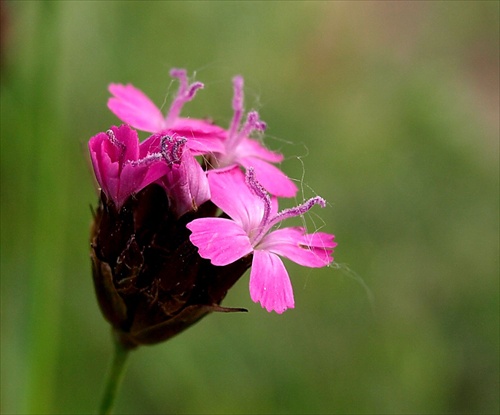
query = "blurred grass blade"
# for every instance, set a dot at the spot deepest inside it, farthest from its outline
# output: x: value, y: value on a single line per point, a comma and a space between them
x: 49, y: 212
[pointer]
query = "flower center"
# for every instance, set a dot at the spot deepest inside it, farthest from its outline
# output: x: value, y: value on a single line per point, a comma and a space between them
x: 268, y: 222
x: 260, y: 192
x: 172, y: 149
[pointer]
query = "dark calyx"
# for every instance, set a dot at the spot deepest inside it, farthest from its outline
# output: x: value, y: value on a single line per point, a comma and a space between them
x: 149, y: 279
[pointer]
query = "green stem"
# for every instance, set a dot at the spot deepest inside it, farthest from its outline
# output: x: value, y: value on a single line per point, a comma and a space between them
x: 115, y: 377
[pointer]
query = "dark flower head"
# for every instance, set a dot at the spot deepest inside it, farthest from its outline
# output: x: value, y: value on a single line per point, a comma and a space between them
x: 149, y: 279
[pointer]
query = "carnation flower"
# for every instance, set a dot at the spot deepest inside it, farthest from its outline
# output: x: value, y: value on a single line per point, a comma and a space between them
x: 252, y: 216
x: 134, y: 107
x: 225, y: 148
x: 121, y: 165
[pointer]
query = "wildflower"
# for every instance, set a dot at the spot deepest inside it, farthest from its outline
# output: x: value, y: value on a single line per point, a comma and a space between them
x: 121, y: 168
x: 239, y: 149
x: 226, y: 148
x: 133, y: 107
x: 253, y: 214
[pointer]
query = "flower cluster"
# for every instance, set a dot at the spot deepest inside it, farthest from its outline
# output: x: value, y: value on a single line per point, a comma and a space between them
x: 172, y: 234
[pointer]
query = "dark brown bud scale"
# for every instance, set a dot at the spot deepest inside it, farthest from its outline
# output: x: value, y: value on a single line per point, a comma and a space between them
x: 149, y: 279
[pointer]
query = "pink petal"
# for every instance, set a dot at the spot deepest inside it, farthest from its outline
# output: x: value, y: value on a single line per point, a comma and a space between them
x: 222, y: 241
x: 269, y: 282
x: 129, y: 138
x: 95, y: 143
x: 151, y: 145
x: 186, y: 184
x: 253, y: 148
x: 134, y: 178
x: 310, y: 250
x: 110, y: 177
x: 270, y: 177
x: 106, y: 169
x: 203, y: 137
x: 231, y: 194
x: 133, y: 107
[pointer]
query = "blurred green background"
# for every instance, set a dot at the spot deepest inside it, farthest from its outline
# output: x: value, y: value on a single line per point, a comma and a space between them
x: 389, y: 110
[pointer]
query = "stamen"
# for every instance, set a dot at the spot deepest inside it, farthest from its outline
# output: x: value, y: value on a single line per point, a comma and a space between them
x: 148, y: 160
x: 253, y: 123
x: 172, y: 149
x: 260, y: 192
x: 112, y: 138
x: 298, y: 210
x: 237, y: 105
x: 185, y: 94
x: 115, y: 142
x: 192, y: 90
x: 181, y: 75
x: 236, y: 134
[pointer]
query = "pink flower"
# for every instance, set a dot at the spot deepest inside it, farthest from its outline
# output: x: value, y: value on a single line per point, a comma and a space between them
x: 247, y: 152
x: 253, y: 214
x: 121, y: 165
x: 133, y: 107
x: 228, y: 148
